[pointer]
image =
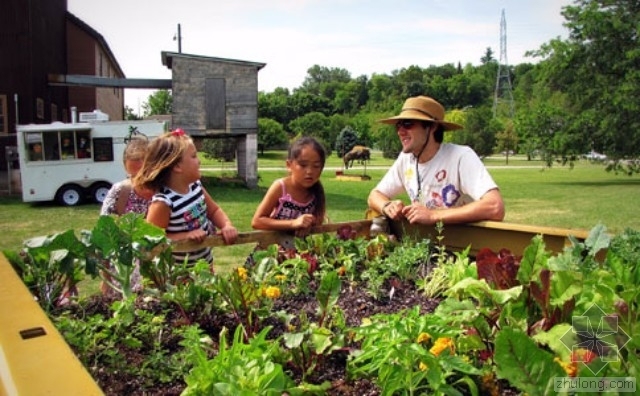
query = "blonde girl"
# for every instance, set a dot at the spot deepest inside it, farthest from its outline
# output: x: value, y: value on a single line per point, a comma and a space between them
x: 181, y: 205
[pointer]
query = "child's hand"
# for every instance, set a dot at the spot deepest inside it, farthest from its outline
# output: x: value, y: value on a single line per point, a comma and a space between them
x: 304, y: 221
x: 197, y: 235
x: 229, y: 234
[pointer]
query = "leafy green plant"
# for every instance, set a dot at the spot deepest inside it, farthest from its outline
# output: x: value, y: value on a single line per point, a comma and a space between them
x: 312, y: 341
x: 117, y: 244
x: 51, y: 267
x: 248, y: 293
x: 411, y: 353
x: 101, y: 341
x: 240, y: 368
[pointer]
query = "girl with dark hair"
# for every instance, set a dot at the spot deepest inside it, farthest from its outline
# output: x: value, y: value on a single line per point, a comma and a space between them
x: 296, y: 202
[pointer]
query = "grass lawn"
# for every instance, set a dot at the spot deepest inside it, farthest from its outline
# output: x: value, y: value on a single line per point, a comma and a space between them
x: 577, y: 198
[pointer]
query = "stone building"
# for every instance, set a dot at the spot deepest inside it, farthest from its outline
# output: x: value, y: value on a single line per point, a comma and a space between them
x: 218, y: 98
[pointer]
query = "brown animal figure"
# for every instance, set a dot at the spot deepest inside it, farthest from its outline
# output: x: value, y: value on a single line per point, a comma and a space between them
x: 359, y: 153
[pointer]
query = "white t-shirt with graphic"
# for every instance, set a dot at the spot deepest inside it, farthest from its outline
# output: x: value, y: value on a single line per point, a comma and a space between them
x: 454, y: 177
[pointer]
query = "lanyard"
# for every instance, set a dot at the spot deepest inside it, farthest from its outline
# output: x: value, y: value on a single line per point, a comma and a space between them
x: 424, y: 146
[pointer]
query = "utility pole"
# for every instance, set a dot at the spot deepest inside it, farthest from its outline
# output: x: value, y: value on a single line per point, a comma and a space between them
x: 503, y: 97
x: 178, y: 37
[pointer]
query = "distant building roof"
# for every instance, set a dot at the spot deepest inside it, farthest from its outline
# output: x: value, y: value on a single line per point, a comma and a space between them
x: 167, y: 59
x: 103, y: 43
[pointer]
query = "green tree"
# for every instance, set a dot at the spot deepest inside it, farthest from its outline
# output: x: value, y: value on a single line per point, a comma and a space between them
x: 270, y: 134
x: 314, y: 124
x: 598, y: 68
x: 129, y: 115
x: 346, y: 140
x: 158, y: 103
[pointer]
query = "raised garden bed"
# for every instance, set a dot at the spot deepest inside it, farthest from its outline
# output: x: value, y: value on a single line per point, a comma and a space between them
x: 348, y: 315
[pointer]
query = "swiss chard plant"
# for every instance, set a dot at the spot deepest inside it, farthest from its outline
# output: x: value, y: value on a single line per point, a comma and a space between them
x: 51, y: 267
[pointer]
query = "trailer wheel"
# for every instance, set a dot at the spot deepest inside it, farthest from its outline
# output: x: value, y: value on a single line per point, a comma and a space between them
x: 99, y: 191
x: 70, y: 195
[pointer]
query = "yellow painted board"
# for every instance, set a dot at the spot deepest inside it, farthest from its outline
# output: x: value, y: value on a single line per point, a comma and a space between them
x: 34, y: 358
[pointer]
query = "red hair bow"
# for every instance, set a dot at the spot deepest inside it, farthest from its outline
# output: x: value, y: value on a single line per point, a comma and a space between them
x: 178, y: 132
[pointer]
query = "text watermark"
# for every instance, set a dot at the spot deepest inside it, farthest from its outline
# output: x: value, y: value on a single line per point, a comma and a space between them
x: 593, y: 384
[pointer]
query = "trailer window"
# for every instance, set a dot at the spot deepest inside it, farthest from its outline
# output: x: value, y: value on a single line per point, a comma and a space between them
x: 58, y: 145
x: 103, y: 149
x: 34, y: 147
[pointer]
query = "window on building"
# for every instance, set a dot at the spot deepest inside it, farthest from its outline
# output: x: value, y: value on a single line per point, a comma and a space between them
x: 4, y: 116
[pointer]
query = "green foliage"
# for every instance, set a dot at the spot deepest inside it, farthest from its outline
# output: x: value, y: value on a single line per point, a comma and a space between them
x: 309, y: 343
x: 395, y: 353
x: 526, y: 366
x: 117, y: 244
x: 345, y: 141
x: 158, y: 103
x: 98, y: 341
x: 240, y: 369
x: 223, y: 149
x: 51, y: 267
x: 271, y: 134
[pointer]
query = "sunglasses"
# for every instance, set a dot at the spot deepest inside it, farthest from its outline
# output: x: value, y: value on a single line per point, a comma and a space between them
x: 405, y: 124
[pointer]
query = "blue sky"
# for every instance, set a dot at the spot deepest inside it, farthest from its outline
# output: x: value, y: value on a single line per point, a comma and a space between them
x: 363, y: 37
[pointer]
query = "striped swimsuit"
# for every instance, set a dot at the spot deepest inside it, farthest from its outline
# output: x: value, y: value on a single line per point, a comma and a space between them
x: 188, y: 213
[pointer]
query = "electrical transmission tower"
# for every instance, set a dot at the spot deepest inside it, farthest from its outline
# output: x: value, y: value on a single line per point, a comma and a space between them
x: 503, y: 97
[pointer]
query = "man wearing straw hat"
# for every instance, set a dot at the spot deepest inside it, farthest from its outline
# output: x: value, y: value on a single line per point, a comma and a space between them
x: 445, y: 182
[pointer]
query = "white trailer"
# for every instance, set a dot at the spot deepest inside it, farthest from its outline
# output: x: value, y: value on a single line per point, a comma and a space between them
x: 70, y: 163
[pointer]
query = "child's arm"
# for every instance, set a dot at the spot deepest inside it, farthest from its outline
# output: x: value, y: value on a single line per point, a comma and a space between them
x: 220, y: 219
x: 158, y: 214
x: 262, y: 220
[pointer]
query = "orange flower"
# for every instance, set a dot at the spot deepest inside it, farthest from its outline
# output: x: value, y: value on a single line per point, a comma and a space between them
x: 342, y: 270
x: 423, y: 366
x: 570, y: 368
x: 441, y: 344
x: 583, y: 355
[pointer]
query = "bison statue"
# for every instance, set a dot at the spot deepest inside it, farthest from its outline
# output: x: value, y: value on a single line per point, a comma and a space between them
x: 357, y: 153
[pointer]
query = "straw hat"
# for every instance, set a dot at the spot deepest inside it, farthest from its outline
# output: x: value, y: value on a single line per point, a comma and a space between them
x: 422, y: 108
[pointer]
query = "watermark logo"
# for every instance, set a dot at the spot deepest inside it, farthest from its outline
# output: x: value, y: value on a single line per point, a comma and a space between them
x: 595, y: 339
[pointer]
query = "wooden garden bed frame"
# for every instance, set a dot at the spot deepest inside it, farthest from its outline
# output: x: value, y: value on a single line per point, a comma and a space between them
x: 36, y: 360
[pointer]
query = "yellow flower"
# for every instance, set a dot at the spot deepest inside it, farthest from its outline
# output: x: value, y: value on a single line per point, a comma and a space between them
x: 281, y: 278
x: 242, y: 273
x: 423, y: 367
x: 571, y: 368
x: 441, y: 344
x: 272, y: 292
x: 423, y: 337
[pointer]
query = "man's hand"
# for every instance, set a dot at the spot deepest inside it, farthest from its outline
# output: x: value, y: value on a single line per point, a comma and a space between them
x: 394, y: 210
x: 420, y: 214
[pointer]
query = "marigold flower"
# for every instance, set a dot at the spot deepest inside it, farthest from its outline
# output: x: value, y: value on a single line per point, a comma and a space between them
x: 281, y: 278
x: 242, y: 273
x: 423, y: 367
x: 441, y: 344
x: 272, y: 292
x: 423, y: 337
x: 571, y: 368
x: 342, y: 270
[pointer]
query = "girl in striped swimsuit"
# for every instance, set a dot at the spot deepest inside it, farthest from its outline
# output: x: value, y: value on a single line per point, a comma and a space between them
x: 181, y: 204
